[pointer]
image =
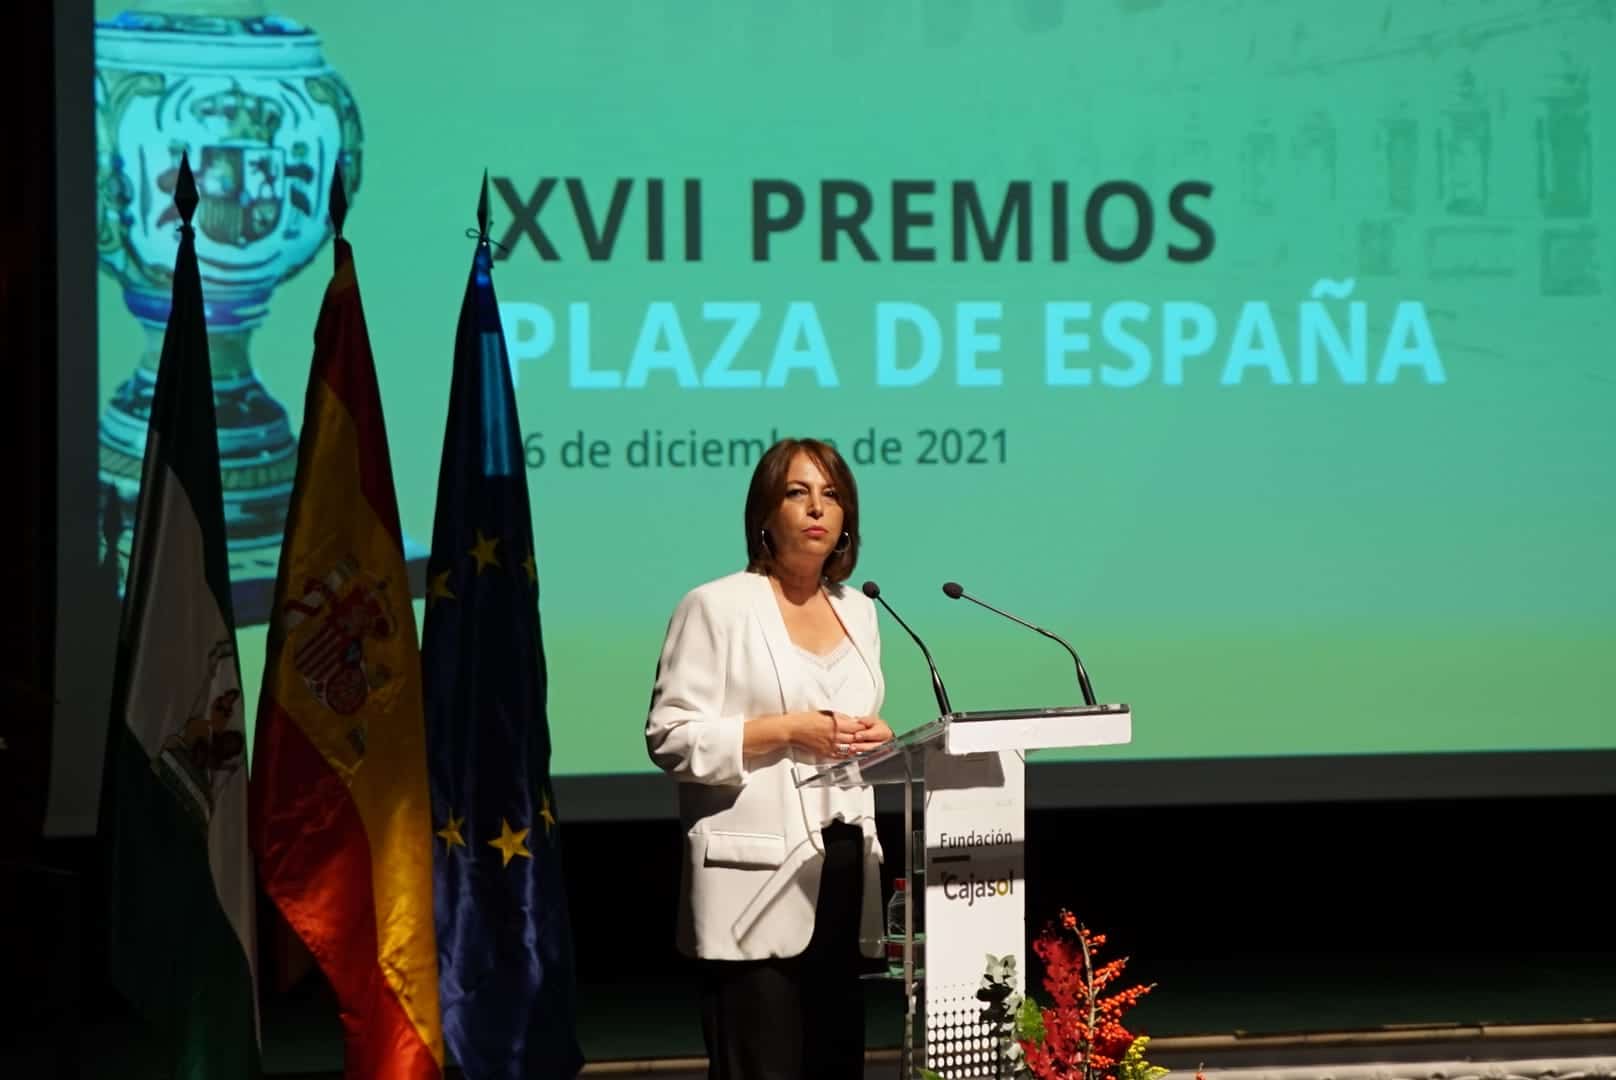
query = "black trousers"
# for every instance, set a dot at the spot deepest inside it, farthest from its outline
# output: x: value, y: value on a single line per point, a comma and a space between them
x: 802, y: 1017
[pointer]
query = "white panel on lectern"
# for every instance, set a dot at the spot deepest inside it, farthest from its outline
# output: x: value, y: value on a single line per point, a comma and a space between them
x: 975, y: 897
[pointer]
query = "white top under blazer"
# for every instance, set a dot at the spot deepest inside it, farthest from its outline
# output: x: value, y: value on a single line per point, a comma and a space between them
x: 752, y: 849
x: 839, y: 680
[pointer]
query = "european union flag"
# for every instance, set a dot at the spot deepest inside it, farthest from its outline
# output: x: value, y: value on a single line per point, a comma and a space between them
x: 504, y: 936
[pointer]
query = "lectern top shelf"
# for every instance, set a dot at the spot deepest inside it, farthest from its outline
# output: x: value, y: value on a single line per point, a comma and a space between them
x: 977, y: 732
x: 893, y: 763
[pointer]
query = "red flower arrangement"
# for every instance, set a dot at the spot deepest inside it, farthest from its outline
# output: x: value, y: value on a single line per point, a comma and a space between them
x: 1081, y: 1035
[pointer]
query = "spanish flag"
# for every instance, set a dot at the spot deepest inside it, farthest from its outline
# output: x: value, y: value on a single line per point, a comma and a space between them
x: 340, y: 823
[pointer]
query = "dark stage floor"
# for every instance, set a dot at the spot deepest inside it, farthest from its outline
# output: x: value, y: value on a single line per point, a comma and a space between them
x: 637, y: 1020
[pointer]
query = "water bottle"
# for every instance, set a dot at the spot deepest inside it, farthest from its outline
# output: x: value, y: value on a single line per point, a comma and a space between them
x: 896, y: 907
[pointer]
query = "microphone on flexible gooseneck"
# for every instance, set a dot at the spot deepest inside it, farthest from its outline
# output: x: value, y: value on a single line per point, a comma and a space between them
x: 873, y: 591
x: 953, y: 591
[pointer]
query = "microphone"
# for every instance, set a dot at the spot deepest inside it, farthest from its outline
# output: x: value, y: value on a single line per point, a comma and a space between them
x: 873, y: 591
x: 954, y: 591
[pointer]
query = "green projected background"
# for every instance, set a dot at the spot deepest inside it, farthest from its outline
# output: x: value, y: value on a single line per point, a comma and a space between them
x: 1264, y: 349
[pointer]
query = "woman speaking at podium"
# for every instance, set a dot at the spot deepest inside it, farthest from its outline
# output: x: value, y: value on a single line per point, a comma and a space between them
x: 767, y: 674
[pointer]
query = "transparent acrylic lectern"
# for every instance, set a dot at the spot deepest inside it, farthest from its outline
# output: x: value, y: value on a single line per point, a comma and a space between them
x: 971, y: 768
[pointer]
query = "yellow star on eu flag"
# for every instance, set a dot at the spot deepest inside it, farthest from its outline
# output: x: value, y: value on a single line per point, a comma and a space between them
x: 532, y: 570
x: 510, y: 843
x: 483, y: 551
x: 545, y: 814
x: 439, y: 589
x: 451, y: 832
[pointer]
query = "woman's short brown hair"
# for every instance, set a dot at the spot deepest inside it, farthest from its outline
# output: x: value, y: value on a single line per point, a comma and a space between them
x: 768, y: 491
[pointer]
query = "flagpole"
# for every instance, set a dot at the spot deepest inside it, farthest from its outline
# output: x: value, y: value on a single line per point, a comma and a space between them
x: 482, y: 212
x: 339, y: 208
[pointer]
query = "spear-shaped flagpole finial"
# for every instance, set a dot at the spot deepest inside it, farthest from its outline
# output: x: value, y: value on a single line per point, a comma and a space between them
x: 482, y: 210
x: 185, y: 196
x: 339, y: 199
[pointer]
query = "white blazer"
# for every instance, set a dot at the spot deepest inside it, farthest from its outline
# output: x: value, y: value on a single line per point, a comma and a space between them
x: 752, y: 855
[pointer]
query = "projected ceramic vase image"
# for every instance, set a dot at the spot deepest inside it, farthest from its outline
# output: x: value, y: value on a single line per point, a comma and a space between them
x: 265, y: 121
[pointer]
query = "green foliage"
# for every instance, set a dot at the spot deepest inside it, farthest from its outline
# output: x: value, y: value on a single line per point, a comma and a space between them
x: 1133, y: 1065
x: 1030, y: 1022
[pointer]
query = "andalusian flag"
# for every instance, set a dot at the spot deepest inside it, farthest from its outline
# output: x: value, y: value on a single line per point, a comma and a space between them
x: 340, y: 821
x: 174, y: 805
